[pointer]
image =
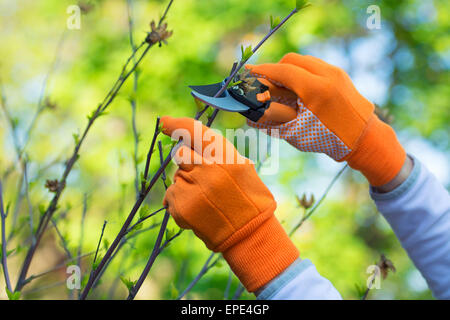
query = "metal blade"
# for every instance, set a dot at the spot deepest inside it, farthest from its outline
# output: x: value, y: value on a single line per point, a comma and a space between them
x: 224, y: 102
x: 209, y: 89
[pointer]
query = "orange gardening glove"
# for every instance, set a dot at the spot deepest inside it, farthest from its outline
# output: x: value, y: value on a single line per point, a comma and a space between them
x: 226, y: 205
x: 316, y: 108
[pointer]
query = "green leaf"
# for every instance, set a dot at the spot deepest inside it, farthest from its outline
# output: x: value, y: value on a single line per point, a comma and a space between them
x: 160, y: 128
x: 144, y: 211
x: 8, y: 205
x: 13, y: 295
x: 274, y: 22
x: 42, y: 209
x: 76, y: 138
x: 138, y: 226
x: 105, y: 243
x: 143, y: 180
x: 14, y: 122
x: 8, y: 252
x: 301, y: 4
x: 246, y: 53
x: 127, y: 282
x: 170, y: 233
x: 209, y: 112
x: 219, y: 263
x: 360, y: 290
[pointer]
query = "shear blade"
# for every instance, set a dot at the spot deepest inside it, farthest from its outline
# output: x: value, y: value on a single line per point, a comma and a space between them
x: 224, y: 102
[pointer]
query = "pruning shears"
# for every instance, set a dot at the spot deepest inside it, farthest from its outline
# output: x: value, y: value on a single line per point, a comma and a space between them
x: 235, y: 99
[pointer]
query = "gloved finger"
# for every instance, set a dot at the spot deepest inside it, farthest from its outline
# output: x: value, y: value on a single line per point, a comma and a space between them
x: 207, y: 143
x: 302, y: 82
x: 186, y: 158
x: 170, y: 202
x: 310, y: 63
x: 280, y: 94
x: 278, y: 113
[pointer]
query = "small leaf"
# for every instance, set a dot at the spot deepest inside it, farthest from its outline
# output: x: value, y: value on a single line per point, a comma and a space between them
x: 42, y: 209
x: 8, y: 252
x: 127, y: 282
x: 14, y: 122
x: 246, y: 53
x: 360, y: 290
x: 138, y: 226
x: 143, y: 180
x: 13, y: 295
x: 219, y: 264
x: 301, y: 4
x: 274, y: 22
x: 105, y: 243
x: 160, y: 128
x: 76, y: 138
x: 144, y: 211
x: 170, y: 233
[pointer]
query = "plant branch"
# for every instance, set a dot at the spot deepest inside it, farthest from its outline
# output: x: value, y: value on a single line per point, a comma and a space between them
x: 134, y: 290
x: 318, y: 203
x: 4, y: 244
x: 75, y: 155
x: 133, y: 102
x: 206, y: 266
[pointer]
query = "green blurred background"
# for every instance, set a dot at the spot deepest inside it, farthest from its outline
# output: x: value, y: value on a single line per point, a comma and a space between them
x: 403, y: 67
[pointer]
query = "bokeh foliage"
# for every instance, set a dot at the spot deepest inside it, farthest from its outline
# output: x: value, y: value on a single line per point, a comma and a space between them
x: 408, y: 59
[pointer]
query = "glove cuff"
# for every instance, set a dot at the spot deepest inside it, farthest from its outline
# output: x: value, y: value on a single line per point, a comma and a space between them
x: 262, y: 255
x: 378, y: 155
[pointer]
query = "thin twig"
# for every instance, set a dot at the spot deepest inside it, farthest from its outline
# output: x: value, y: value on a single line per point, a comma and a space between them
x: 99, y: 242
x: 151, y: 260
x: 239, y: 291
x: 149, y: 154
x: 61, y: 265
x: 145, y: 218
x: 63, y: 241
x: 318, y: 203
x: 227, y: 288
x: 206, y: 266
x: 4, y: 244
x: 161, y: 159
x: 83, y: 217
x: 27, y: 196
x: 166, y: 243
x: 133, y: 102
x: 157, y: 248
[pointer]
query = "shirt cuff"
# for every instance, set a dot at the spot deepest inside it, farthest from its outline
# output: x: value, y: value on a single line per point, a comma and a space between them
x: 297, y: 267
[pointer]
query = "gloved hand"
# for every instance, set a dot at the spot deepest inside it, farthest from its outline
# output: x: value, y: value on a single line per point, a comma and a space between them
x: 226, y: 205
x: 316, y: 108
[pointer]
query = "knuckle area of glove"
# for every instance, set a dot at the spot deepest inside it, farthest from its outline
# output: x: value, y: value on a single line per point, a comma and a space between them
x: 223, y: 191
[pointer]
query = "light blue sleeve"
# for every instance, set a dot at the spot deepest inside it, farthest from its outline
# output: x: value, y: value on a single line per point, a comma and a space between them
x: 419, y: 213
x: 300, y: 281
